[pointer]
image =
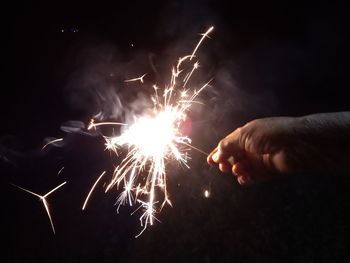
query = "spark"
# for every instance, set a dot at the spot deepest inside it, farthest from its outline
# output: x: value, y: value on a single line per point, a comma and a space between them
x: 136, y: 79
x: 195, y: 148
x: 60, y: 171
x: 91, y: 190
x: 43, y: 199
x: 153, y: 140
x: 148, y: 216
x: 206, y: 194
x: 50, y: 142
x: 94, y: 125
x: 188, y: 76
x: 204, y: 35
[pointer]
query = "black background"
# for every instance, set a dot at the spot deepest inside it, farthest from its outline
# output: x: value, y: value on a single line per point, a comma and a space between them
x: 285, y: 58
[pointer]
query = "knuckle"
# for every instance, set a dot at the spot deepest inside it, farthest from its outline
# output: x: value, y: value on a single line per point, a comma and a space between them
x: 223, y: 144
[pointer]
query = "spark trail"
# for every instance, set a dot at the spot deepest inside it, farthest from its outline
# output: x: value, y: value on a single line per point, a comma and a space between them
x: 43, y: 199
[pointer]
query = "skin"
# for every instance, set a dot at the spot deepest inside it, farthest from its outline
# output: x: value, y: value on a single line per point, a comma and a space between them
x: 268, y: 147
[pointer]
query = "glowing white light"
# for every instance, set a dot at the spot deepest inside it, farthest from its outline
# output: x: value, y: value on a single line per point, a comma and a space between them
x: 153, y: 140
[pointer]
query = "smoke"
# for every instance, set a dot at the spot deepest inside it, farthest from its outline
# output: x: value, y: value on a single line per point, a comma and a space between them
x: 247, y: 72
x: 240, y: 89
x: 96, y: 70
x: 93, y: 82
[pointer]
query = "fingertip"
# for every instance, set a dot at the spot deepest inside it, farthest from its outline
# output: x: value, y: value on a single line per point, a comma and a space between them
x: 238, y: 168
x: 209, y: 160
x: 210, y: 157
x: 225, y: 167
x: 248, y: 180
x: 240, y: 180
x: 244, y: 180
x: 215, y: 157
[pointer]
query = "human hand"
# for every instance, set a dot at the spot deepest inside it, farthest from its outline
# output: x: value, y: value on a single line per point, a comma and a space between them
x: 262, y: 148
x: 316, y: 143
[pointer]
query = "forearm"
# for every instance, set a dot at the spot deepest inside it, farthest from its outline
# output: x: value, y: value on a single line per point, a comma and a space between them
x: 329, y: 135
x: 330, y: 127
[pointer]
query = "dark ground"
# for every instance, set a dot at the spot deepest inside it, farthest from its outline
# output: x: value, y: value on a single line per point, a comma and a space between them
x: 266, y: 58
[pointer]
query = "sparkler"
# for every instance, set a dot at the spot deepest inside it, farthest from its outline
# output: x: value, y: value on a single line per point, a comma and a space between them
x: 153, y: 140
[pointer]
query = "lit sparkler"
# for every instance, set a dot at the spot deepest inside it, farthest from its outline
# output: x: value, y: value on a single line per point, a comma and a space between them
x: 153, y: 140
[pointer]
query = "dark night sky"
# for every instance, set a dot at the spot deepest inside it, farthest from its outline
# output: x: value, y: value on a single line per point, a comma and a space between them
x: 268, y: 58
